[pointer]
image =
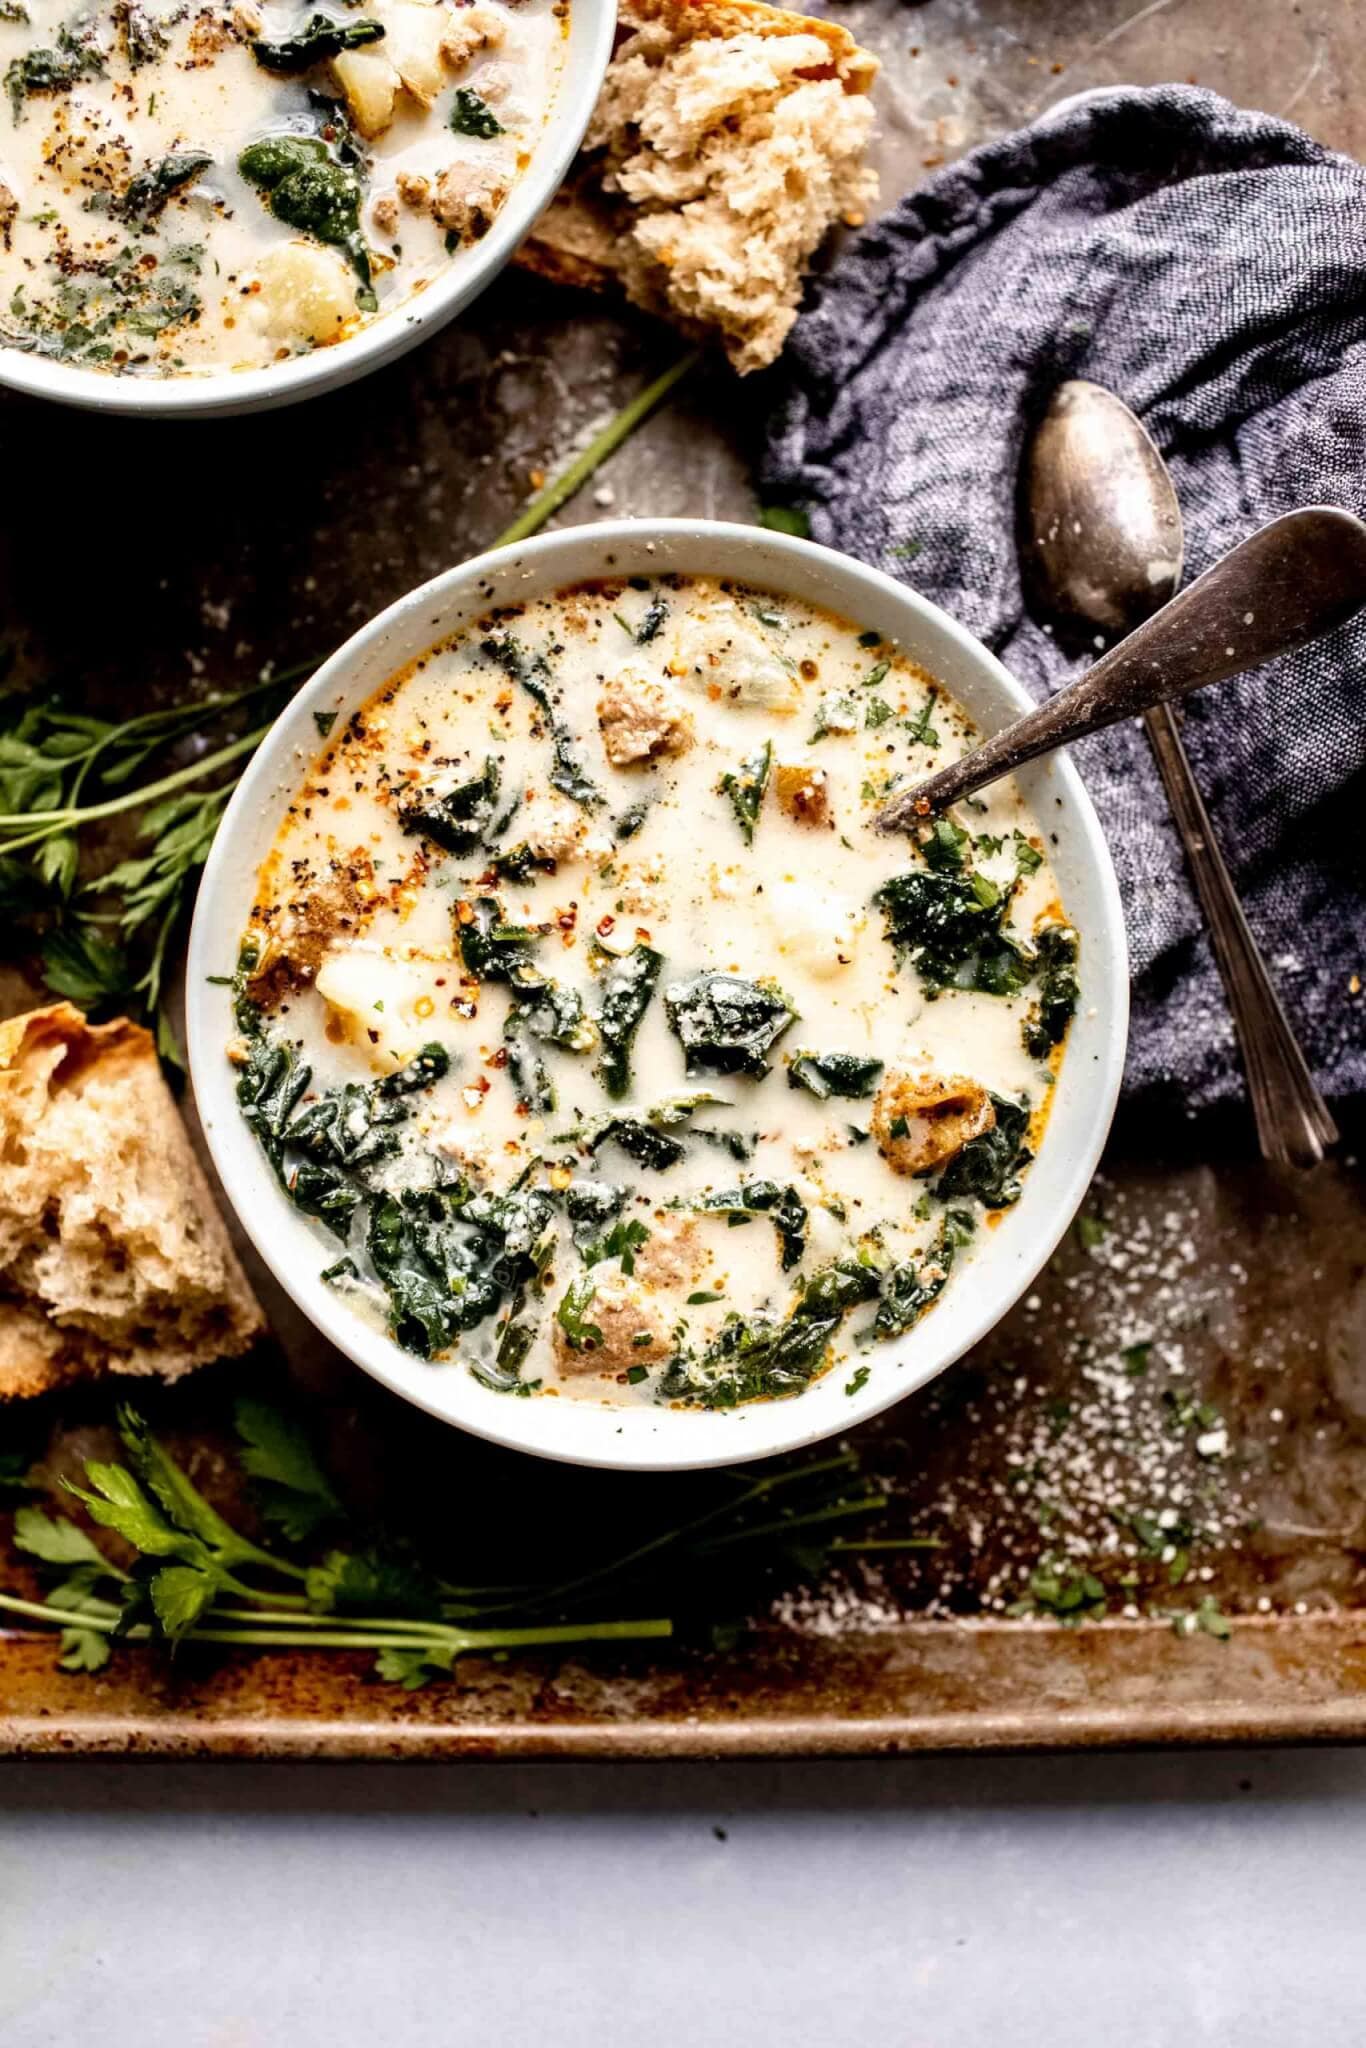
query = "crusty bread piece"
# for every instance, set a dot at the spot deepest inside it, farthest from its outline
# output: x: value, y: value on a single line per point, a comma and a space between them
x: 113, y: 1257
x: 727, y: 140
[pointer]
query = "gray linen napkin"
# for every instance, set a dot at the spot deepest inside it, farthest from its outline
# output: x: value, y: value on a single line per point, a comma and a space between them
x: 1209, y: 265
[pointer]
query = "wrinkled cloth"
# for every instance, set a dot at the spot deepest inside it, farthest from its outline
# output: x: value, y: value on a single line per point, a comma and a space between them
x: 1209, y: 265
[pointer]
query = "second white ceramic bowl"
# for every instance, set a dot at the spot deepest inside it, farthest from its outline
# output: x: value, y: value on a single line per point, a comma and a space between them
x: 1004, y: 1261
x: 592, y: 24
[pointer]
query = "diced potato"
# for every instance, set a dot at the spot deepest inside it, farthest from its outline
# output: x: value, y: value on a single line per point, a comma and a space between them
x: 412, y: 43
x: 370, y: 83
x: 813, y: 927
x: 307, y: 292
x: 381, y: 1005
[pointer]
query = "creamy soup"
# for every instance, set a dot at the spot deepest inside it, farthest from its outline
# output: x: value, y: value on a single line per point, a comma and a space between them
x: 193, y: 188
x: 620, y: 1056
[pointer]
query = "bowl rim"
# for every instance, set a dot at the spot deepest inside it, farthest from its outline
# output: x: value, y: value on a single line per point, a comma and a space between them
x: 660, y: 1443
x: 228, y: 393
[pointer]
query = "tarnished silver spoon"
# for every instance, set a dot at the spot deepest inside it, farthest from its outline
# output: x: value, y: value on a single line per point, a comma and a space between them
x: 1102, y: 542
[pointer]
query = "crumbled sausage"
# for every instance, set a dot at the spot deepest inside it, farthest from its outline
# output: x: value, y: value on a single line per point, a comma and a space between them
x: 634, y: 1329
x: 412, y: 189
x: 672, y: 1255
x: 468, y: 197
x: 469, y: 30
x: 384, y: 213
x: 9, y: 209
x: 641, y: 719
x: 921, y: 1120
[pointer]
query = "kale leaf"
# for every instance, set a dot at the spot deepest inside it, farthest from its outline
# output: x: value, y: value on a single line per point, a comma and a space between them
x: 471, y: 115
x: 454, y: 819
x: 989, y: 1167
x: 639, y: 1141
x: 823, y: 1074
x: 44, y: 71
x: 949, y: 926
x: 148, y: 193
x: 318, y: 40
x: 755, y: 1357
x: 745, y: 787
x: 764, y: 1198
x: 1057, y: 947
x: 532, y: 672
x: 304, y: 186
x: 725, y: 1024
x: 909, y: 1288
x: 628, y: 985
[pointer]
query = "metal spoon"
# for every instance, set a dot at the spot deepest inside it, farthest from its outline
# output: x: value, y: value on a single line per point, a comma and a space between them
x: 1103, y: 543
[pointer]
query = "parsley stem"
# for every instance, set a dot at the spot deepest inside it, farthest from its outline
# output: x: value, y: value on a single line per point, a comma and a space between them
x: 888, y: 1543
x: 133, y: 799
x: 458, y: 1641
x: 618, y: 429
x: 778, y: 1527
x: 58, y: 1617
x: 756, y: 1489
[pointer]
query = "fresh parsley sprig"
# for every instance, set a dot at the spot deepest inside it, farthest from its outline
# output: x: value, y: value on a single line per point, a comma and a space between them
x: 196, y: 1577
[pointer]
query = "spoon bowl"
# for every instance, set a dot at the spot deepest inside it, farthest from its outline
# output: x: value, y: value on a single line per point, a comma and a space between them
x: 1101, y: 542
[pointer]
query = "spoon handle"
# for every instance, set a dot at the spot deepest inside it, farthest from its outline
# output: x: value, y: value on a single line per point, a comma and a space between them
x: 1288, y: 583
x: 1294, y: 1127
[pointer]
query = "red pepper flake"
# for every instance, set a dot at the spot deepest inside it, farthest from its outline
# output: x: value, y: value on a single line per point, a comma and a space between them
x: 605, y: 925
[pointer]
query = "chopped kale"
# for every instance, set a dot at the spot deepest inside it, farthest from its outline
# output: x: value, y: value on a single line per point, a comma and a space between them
x: 628, y: 985
x: 745, y: 787
x: 268, y: 1090
x: 632, y: 818
x: 150, y: 191
x: 950, y: 927
x: 1057, y: 947
x: 764, y: 1198
x: 529, y: 1072
x: 656, y: 612
x: 988, y: 1168
x: 304, y: 186
x: 823, y: 1074
x: 318, y: 40
x: 532, y: 672
x: 592, y: 1207
x: 758, y: 1357
x: 76, y: 56
x: 725, y: 1024
x: 908, y: 1289
x: 639, y: 1141
x: 454, y: 819
x: 494, y: 950
x: 471, y: 115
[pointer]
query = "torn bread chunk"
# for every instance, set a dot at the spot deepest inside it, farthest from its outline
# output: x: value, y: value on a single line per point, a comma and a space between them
x: 113, y: 1257
x: 728, y: 139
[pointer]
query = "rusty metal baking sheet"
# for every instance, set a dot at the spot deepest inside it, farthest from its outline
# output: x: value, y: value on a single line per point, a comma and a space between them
x: 1179, y: 1410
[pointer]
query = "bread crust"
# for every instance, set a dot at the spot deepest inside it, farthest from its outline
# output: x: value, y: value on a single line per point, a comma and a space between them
x: 113, y: 1257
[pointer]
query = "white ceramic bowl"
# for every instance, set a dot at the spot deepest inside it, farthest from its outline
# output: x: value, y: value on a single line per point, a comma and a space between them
x: 591, y: 27
x: 1004, y: 1261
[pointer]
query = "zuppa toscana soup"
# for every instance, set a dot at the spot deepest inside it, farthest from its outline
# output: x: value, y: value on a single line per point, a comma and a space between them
x: 191, y: 188
x: 614, y: 1051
